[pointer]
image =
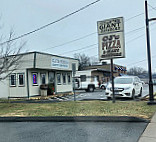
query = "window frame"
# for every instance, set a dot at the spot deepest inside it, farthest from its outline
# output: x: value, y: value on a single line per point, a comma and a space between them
x: 14, y: 80
x: 35, y: 73
x: 64, y: 75
x: 69, y: 75
x: 23, y: 79
x: 41, y: 77
x: 58, y: 83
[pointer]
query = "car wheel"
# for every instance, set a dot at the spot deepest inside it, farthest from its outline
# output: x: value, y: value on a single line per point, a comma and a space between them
x: 140, y: 94
x: 86, y: 90
x: 133, y: 94
x: 91, y: 88
x: 108, y: 98
x: 103, y: 87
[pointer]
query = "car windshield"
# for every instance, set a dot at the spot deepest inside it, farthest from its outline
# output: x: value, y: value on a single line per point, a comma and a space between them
x: 123, y: 80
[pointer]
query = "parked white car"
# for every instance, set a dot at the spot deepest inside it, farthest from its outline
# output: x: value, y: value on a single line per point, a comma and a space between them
x: 126, y: 86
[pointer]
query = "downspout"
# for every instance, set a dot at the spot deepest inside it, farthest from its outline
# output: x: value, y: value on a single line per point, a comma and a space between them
x: 27, y: 77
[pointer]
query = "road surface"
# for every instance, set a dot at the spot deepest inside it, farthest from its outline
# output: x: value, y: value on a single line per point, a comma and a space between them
x: 71, y: 132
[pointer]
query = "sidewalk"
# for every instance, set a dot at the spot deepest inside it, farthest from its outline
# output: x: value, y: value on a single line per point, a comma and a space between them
x: 149, y: 135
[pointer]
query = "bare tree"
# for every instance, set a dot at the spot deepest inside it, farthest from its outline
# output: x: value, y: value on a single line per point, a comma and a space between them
x: 9, y: 61
x: 83, y: 60
x: 94, y: 60
x: 136, y: 71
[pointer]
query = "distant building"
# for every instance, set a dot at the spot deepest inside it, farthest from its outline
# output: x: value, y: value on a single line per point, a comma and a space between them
x: 38, y: 68
x: 103, y: 72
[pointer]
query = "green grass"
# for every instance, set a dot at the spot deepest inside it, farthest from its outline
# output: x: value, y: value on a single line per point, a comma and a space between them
x: 79, y: 108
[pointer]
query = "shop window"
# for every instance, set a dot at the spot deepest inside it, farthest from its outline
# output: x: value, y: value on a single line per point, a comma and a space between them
x: 34, y: 77
x: 13, y: 80
x: 51, y: 77
x: 58, y: 78
x: 43, y: 78
x: 64, y: 78
x: 21, y: 79
x: 69, y: 78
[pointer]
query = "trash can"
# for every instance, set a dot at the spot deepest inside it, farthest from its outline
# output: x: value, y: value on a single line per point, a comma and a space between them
x: 43, y: 90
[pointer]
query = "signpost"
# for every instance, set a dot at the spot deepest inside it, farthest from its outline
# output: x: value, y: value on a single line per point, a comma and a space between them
x: 111, y: 42
x: 74, y: 72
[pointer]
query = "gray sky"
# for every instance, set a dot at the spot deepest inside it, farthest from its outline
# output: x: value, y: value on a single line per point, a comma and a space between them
x: 27, y: 15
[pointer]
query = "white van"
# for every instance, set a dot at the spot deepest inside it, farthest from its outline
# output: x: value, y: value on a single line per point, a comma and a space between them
x: 84, y: 81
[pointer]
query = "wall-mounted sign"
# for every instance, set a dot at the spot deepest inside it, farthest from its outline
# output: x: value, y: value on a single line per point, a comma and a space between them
x: 111, y: 39
x: 60, y: 63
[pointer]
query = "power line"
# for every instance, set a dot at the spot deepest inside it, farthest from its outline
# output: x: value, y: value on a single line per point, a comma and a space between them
x: 134, y: 16
x: 42, y: 27
x: 97, y: 43
x: 80, y: 48
x: 140, y: 61
x: 60, y: 20
x: 137, y: 62
x: 89, y: 49
x: 141, y: 28
x: 135, y: 38
x: 86, y: 37
x: 71, y: 41
x: 152, y: 7
x: 139, y: 14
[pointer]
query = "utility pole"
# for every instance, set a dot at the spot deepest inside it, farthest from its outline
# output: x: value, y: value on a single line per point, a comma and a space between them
x: 151, y: 98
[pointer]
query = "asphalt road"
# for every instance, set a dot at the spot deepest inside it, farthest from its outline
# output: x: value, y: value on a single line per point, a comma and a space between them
x: 71, y: 132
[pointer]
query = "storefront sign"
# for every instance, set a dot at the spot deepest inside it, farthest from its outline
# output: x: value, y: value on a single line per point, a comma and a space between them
x: 60, y: 63
x: 111, y: 39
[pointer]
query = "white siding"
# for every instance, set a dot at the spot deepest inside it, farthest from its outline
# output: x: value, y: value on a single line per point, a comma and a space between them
x: 18, y: 91
x: 44, y: 61
x: 63, y: 87
x: 26, y: 61
x: 4, y: 89
x: 35, y: 89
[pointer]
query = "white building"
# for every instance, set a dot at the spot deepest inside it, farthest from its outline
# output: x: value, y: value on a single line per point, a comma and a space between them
x: 39, y: 68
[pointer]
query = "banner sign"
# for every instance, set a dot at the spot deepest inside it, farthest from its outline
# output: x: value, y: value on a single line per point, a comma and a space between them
x: 60, y: 63
x: 111, y: 39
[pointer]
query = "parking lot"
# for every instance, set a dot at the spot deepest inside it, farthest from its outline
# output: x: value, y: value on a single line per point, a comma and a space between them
x: 98, y: 94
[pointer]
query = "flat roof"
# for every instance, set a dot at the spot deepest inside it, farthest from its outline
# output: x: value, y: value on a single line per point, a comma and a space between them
x: 32, y: 52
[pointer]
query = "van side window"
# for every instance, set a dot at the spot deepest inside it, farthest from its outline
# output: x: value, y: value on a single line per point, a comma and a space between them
x: 83, y: 78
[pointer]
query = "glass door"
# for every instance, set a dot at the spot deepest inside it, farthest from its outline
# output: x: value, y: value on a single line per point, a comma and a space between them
x: 51, y: 83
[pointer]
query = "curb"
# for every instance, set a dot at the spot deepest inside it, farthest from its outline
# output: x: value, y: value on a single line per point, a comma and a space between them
x: 75, y: 119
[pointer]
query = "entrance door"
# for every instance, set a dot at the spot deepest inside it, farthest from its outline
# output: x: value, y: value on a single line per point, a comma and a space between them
x: 51, y: 87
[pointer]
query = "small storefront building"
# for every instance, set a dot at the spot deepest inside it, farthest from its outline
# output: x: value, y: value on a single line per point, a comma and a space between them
x: 36, y: 69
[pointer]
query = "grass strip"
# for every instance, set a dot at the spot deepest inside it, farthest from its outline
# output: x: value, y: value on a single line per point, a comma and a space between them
x: 79, y: 108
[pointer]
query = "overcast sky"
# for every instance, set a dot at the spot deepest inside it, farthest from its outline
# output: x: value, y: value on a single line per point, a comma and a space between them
x: 27, y: 15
